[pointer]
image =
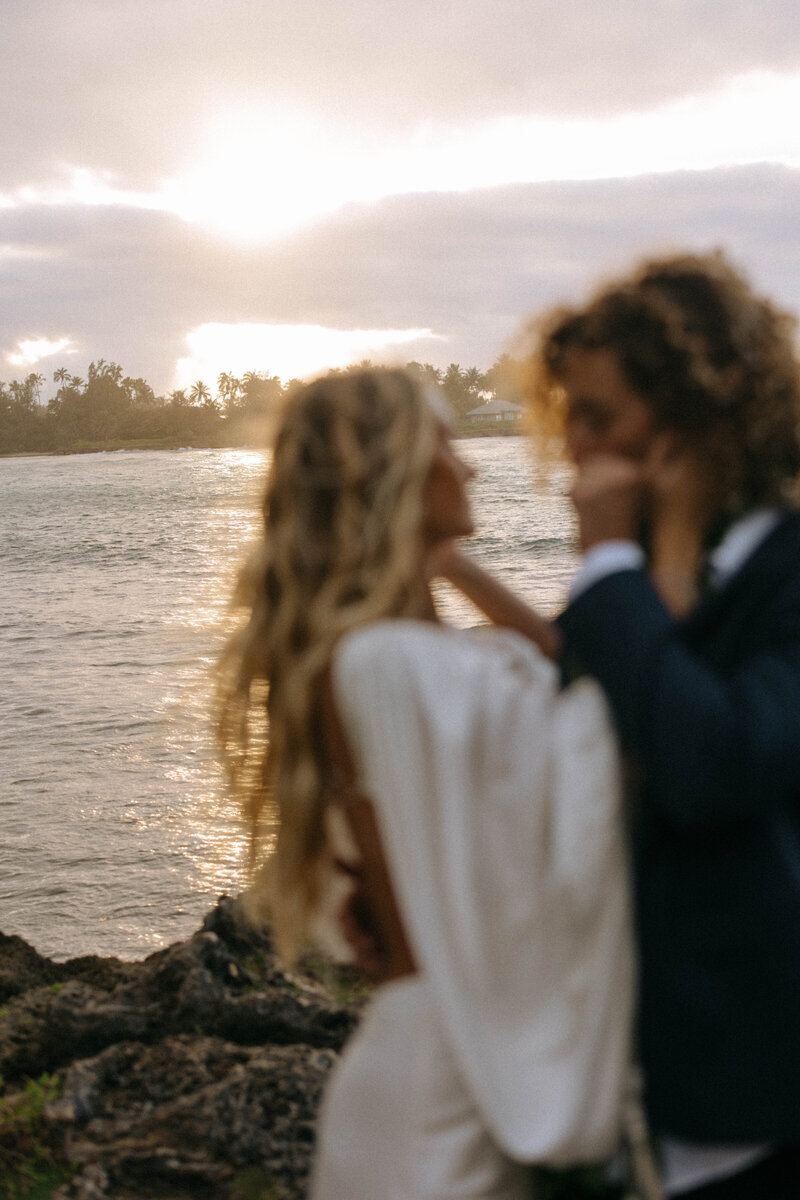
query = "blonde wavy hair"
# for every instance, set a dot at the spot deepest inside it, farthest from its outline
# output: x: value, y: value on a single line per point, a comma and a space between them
x: 341, y: 546
x: 710, y: 357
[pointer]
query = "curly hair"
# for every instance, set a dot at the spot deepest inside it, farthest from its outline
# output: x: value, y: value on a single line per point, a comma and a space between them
x: 341, y: 546
x: 710, y: 358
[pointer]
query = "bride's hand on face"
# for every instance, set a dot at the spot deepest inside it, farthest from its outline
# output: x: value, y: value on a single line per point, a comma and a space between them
x: 447, y: 561
x: 493, y: 598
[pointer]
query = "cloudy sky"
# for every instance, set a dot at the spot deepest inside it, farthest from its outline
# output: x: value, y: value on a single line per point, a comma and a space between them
x: 192, y: 186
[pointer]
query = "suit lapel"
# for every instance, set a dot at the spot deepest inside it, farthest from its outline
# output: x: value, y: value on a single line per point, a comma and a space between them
x: 760, y: 575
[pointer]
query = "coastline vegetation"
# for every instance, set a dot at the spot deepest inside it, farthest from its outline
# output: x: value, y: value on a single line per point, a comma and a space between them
x: 30, y: 1166
x: 112, y: 411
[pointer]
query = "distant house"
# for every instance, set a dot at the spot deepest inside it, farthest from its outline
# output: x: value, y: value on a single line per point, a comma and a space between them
x: 496, y: 410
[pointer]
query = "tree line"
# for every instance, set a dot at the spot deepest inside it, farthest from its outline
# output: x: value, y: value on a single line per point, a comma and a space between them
x: 111, y: 409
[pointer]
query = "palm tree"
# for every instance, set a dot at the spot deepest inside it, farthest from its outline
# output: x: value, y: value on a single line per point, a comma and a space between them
x: 228, y: 389
x: 505, y: 378
x: 199, y: 393
x: 474, y: 379
x: 60, y: 375
x: 430, y: 375
x: 34, y: 382
x: 22, y: 394
x: 105, y: 370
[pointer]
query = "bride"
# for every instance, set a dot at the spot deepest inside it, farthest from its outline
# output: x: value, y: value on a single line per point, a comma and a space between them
x: 480, y: 801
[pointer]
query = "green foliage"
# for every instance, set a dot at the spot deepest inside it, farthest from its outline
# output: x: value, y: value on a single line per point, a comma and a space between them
x: 38, y: 1185
x: 110, y: 410
x: 346, y: 985
x: 464, y: 388
x: 256, y: 963
x: 252, y: 1184
x: 30, y: 1168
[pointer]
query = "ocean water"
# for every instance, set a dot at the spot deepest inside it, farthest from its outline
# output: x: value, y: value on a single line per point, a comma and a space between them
x: 116, y: 569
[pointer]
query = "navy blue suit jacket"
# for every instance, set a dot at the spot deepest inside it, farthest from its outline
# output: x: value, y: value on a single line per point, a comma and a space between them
x: 709, y: 710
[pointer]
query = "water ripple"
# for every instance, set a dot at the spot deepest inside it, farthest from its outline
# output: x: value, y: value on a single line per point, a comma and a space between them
x: 116, y: 570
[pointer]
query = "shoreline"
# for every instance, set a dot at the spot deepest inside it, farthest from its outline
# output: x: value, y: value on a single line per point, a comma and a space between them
x: 122, y: 448
x: 197, y: 1070
x: 144, y: 444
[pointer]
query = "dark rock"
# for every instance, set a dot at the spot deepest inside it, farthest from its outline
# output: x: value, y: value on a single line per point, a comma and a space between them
x: 228, y: 920
x: 23, y: 968
x: 196, y: 1109
x: 189, y: 1074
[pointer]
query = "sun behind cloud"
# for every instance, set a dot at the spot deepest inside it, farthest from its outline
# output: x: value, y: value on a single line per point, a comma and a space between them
x: 261, y: 174
x: 258, y: 173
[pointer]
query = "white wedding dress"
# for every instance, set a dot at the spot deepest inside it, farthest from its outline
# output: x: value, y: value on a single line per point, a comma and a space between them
x: 497, y: 797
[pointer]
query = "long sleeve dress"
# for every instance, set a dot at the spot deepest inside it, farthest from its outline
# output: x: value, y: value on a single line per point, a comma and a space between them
x: 497, y: 798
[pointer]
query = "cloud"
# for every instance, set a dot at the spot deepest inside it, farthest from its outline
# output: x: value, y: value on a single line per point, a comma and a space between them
x: 33, y: 350
x: 130, y: 285
x: 235, y: 190
x: 128, y: 87
x: 292, y: 351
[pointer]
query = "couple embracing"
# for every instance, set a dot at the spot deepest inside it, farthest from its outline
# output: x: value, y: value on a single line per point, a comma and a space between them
x: 535, y: 936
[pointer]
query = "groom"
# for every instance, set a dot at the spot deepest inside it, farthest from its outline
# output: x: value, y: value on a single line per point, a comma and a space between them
x: 699, y: 656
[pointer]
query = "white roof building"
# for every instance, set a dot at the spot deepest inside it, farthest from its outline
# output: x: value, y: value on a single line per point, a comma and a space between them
x: 496, y: 410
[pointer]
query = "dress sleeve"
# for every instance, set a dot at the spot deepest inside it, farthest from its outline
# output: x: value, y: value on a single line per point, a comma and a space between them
x: 498, y: 802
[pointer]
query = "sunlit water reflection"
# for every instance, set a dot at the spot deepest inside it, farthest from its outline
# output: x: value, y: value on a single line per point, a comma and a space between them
x: 117, y: 570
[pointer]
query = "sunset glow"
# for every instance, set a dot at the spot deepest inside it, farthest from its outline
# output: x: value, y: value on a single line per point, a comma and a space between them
x: 283, y: 188
x: 32, y: 350
x: 290, y: 351
x: 259, y: 178
x: 260, y: 175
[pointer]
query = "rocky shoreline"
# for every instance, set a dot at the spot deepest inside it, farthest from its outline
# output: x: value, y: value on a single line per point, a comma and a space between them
x: 196, y: 1072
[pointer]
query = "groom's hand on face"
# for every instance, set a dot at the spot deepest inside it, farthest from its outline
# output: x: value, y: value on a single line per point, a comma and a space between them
x: 681, y: 485
x: 608, y: 495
